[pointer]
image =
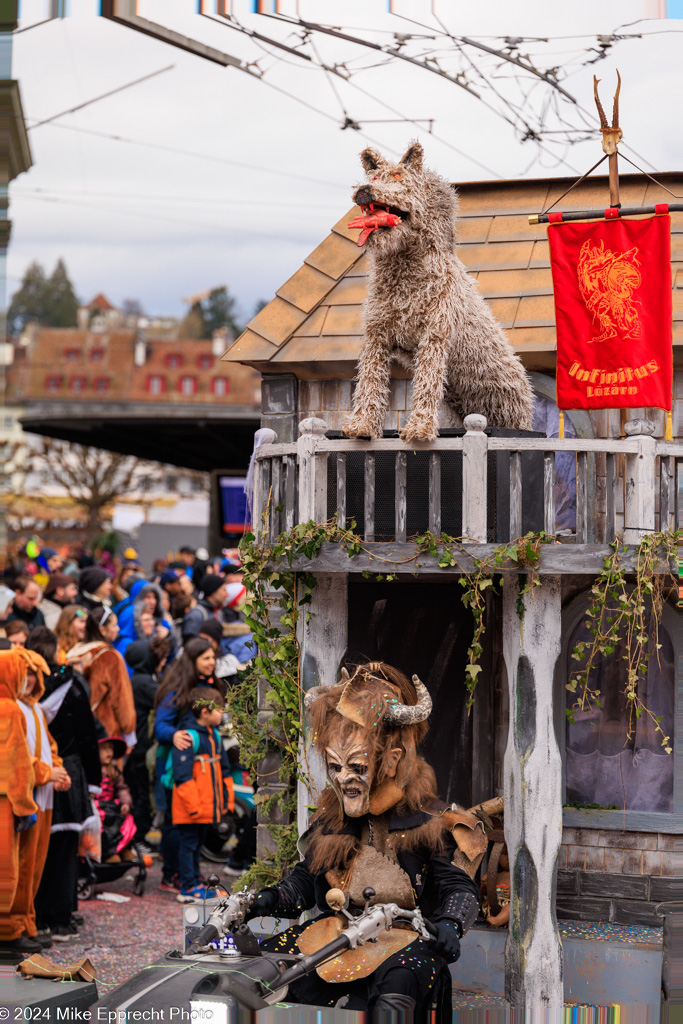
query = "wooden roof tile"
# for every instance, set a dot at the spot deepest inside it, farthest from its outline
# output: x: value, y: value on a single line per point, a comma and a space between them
x: 361, y: 268
x: 277, y: 321
x: 473, y: 229
x: 340, y: 227
x: 306, y: 288
x: 514, y: 228
x: 676, y: 248
x: 249, y: 347
x: 499, y: 283
x: 313, y: 324
x: 304, y: 350
x: 536, y: 311
x: 334, y: 256
x: 677, y: 304
x: 350, y: 290
x: 343, y: 320
x: 496, y: 256
x: 481, y: 199
x: 540, y: 256
x: 504, y: 310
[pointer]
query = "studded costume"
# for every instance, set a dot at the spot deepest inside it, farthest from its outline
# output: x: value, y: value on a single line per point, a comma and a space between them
x: 379, y: 825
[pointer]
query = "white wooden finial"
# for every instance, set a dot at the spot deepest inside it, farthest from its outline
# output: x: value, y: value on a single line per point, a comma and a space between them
x: 640, y: 426
x: 313, y: 425
x: 475, y: 423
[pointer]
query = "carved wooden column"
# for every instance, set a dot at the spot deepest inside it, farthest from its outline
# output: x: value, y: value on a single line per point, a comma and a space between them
x: 533, y: 799
x: 639, y: 483
x: 323, y: 624
x: 474, y: 478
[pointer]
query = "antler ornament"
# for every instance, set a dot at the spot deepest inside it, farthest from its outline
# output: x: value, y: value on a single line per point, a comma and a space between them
x: 611, y: 134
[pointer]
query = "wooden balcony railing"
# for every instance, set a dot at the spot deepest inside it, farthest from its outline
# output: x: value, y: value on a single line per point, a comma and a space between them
x: 485, y: 489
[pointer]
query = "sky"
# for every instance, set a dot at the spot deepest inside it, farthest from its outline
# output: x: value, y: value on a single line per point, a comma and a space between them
x: 230, y: 181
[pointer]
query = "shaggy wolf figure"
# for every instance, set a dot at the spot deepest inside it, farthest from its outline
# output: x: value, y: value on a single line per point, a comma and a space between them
x: 424, y: 312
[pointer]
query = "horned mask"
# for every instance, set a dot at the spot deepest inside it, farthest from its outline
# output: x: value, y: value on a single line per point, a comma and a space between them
x: 366, y: 728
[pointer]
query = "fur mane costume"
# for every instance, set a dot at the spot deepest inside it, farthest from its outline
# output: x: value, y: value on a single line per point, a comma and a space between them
x: 424, y: 312
x: 378, y: 825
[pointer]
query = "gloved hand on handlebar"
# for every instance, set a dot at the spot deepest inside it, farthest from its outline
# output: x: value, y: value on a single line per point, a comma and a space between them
x: 265, y: 903
x: 447, y: 940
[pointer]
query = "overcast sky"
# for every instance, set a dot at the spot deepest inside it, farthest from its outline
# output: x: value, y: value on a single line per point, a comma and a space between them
x: 263, y: 177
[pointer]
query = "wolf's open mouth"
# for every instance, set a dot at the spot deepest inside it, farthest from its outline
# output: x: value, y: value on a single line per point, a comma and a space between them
x: 376, y: 217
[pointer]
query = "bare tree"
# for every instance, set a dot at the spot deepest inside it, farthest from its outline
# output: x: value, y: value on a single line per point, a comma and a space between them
x: 93, y: 477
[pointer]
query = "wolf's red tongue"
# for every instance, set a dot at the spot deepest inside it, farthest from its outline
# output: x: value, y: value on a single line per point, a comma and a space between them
x: 378, y: 218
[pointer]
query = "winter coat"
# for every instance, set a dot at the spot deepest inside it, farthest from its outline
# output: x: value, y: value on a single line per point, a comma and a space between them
x: 145, y: 684
x: 66, y: 707
x: 111, y: 693
x: 129, y: 616
x: 17, y: 776
x: 52, y: 610
x: 168, y: 715
x: 32, y: 619
x: 199, y: 793
x: 196, y: 617
x: 90, y: 602
x: 433, y: 877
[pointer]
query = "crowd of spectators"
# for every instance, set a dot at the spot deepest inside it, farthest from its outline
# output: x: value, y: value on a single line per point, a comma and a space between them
x: 102, y: 663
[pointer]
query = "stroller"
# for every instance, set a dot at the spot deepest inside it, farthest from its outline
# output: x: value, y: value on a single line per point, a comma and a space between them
x: 107, y: 848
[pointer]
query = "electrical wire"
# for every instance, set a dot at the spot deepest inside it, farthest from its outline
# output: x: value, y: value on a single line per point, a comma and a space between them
x: 96, y: 99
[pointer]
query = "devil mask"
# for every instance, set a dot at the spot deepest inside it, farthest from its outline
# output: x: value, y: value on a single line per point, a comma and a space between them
x: 367, y: 729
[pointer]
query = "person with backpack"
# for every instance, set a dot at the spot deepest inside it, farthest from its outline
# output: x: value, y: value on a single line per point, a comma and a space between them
x: 203, y: 788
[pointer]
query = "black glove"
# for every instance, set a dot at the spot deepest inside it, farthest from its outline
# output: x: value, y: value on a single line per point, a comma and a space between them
x: 265, y: 903
x: 447, y: 940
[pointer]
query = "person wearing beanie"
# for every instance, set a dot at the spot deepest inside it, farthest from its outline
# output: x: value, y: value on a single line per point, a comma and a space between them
x: 170, y: 582
x: 211, y: 597
x: 95, y: 587
x: 61, y: 591
x: 47, y: 562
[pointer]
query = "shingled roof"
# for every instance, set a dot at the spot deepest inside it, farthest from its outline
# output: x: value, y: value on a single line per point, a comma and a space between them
x: 313, y: 326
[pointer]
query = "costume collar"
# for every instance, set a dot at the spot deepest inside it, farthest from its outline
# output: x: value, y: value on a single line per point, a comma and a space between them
x: 397, y: 822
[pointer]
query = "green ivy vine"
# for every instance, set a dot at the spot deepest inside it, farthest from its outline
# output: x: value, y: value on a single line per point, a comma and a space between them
x: 278, y: 595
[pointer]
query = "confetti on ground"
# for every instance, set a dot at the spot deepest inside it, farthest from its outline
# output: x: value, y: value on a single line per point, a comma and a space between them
x: 601, y: 932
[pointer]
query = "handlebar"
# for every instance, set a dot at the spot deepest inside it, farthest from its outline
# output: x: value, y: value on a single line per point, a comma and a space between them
x: 230, y: 912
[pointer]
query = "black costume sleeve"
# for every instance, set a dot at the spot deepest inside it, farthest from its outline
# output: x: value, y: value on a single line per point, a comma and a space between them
x: 295, y: 893
x: 457, y: 895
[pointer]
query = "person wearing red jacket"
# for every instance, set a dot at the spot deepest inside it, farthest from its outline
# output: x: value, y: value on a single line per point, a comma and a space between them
x: 203, y: 787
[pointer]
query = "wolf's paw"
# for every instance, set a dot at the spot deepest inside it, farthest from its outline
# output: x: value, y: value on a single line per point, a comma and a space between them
x: 356, y: 427
x: 417, y: 429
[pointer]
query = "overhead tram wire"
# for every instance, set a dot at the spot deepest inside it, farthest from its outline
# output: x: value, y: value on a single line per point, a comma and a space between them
x: 21, y: 190
x: 199, y: 156
x: 104, y: 96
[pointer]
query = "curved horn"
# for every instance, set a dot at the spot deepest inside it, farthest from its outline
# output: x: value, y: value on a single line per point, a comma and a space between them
x: 411, y: 714
x: 615, y: 108
x: 601, y: 112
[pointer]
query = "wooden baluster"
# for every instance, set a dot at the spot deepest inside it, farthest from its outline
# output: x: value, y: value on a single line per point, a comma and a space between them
x: 549, y: 492
x: 341, y: 490
x: 276, y: 499
x: 581, y: 498
x: 474, y: 479
x: 312, y: 471
x: 401, y: 496
x: 664, y: 492
x: 515, y: 495
x: 369, y: 496
x: 435, y: 493
x: 290, y: 516
x: 265, y: 509
x: 639, y: 492
x: 610, y: 497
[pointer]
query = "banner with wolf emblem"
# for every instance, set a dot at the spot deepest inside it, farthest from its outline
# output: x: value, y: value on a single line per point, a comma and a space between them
x: 612, y: 284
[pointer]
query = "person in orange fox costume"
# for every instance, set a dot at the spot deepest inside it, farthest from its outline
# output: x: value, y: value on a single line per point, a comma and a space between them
x: 50, y: 775
x: 17, y: 781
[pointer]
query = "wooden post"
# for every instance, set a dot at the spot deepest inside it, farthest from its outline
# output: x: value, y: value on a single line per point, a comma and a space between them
x: 474, y: 466
x: 261, y: 480
x: 533, y: 800
x: 312, y: 471
x: 322, y: 631
x: 639, y: 482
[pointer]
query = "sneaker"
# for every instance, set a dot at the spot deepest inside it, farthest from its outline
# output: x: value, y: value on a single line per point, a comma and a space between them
x: 146, y: 850
x: 200, y: 892
x: 77, y: 919
x: 64, y: 934
x: 168, y: 885
x: 44, y: 938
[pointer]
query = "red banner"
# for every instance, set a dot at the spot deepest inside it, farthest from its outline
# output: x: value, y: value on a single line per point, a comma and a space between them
x: 612, y: 284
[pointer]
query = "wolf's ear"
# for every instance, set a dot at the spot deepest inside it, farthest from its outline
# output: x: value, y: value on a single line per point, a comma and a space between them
x: 371, y: 159
x: 412, y: 157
